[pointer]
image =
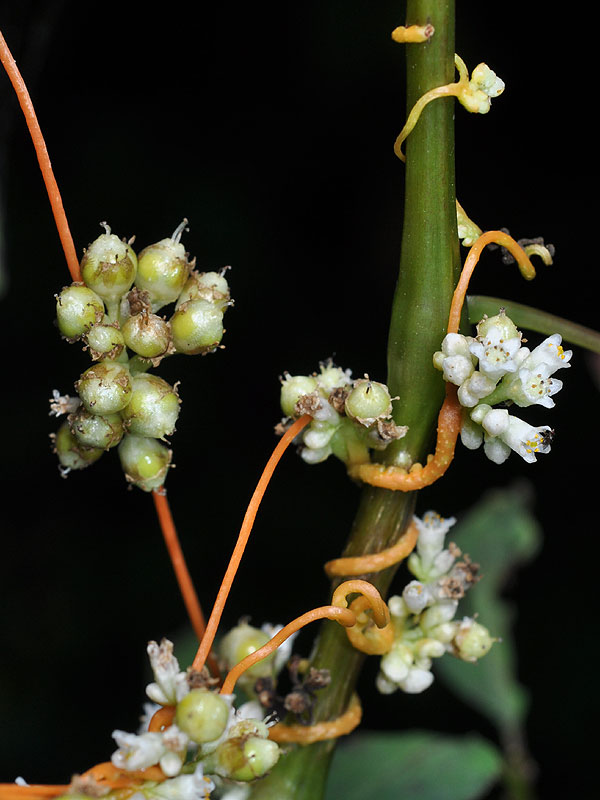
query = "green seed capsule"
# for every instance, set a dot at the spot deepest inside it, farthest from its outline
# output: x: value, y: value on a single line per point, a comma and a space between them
x: 240, y: 642
x: 210, y: 286
x: 153, y: 407
x: 71, y: 453
x: 148, y: 335
x: 246, y: 758
x: 95, y: 430
x: 368, y: 402
x: 104, y: 341
x: 473, y: 640
x: 109, y: 266
x: 506, y: 325
x: 105, y: 388
x: 77, y: 309
x: 163, y: 269
x: 197, y: 327
x: 203, y: 715
x: 292, y: 389
x: 145, y: 461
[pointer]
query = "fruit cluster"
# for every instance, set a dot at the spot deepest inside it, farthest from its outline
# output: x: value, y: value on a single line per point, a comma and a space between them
x: 114, y: 313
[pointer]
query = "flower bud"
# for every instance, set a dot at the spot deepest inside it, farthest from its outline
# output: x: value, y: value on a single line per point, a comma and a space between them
x: 105, y: 388
x: 104, y: 341
x: 153, y: 407
x: 197, y: 327
x: 145, y: 461
x: 245, y: 758
x: 202, y: 715
x: 77, y: 309
x: 473, y: 640
x: 209, y: 286
x: 148, y: 335
x: 71, y: 453
x: 163, y: 269
x: 95, y: 430
x: 293, y: 387
x: 109, y: 266
x: 368, y: 401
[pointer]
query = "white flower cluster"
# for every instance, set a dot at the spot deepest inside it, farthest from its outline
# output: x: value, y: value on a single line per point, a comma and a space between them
x: 213, y: 729
x: 423, y: 616
x: 494, y: 367
x: 483, y: 86
x: 349, y: 416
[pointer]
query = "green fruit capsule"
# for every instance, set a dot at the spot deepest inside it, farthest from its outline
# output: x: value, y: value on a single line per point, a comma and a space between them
x: 240, y: 642
x: 210, y: 286
x: 148, y: 335
x: 293, y: 387
x: 368, y: 402
x: 109, y: 266
x: 77, y: 309
x: 95, y: 430
x: 145, y: 461
x: 153, y: 407
x: 104, y: 340
x: 246, y: 758
x: 203, y: 715
x: 163, y: 269
x: 71, y: 453
x: 197, y: 327
x: 105, y: 388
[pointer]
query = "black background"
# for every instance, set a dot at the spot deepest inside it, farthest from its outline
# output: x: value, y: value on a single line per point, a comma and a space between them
x: 272, y: 132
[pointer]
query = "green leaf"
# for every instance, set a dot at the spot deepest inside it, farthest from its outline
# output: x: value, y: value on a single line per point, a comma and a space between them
x: 419, y: 764
x: 500, y: 534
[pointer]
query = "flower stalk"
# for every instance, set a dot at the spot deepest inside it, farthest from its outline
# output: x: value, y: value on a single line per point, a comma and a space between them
x: 429, y: 269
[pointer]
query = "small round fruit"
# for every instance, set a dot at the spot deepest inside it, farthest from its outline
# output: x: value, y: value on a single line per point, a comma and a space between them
x: 210, y: 286
x: 240, y: 642
x: 203, y: 715
x: 77, y: 309
x: 153, y: 407
x: 368, y: 402
x: 146, y: 334
x: 246, y: 758
x: 71, y: 453
x: 145, y: 461
x: 105, y: 388
x: 293, y: 387
x: 197, y: 327
x: 163, y: 269
x: 96, y: 430
x: 109, y: 266
x: 104, y: 341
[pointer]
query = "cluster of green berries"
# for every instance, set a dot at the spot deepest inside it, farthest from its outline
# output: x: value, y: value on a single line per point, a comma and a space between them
x: 349, y: 416
x: 114, y: 313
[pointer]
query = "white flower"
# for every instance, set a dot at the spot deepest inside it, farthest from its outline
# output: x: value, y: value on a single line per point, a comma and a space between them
x: 396, y: 664
x: 524, y: 439
x: 416, y: 681
x: 495, y: 421
x: 549, y: 352
x: 496, y: 352
x: 431, y: 560
x: 534, y: 386
x: 455, y: 359
x: 137, y: 752
x: 171, y: 685
x: 417, y: 596
x: 471, y: 434
x: 184, y: 787
x: 318, y: 435
x: 496, y: 450
x: 474, y: 389
x: 62, y: 404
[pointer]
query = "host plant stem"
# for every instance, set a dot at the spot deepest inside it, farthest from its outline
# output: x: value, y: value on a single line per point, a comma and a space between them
x: 429, y: 269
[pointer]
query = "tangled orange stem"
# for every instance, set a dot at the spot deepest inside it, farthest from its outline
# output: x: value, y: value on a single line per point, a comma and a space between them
x: 244, y: 535
x: 320, y: 731
x: 162, y: 718
x: 375, y: 562
x: 34, y: 791
x: 41, y: 151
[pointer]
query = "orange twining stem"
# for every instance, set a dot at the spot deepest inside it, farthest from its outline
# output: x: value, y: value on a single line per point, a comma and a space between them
x: 342, y: 615
x: 162, y: 718
x: 366, y: 637
x: 107, y: 774
x: 375, y: 562
x: 397, y: 479
x: 489, y: 237
x: 41, y: 151
x: 244, y: 534
x: 338, y: 611
x: 320, y: 731
x: 13, y: 791
x: 186, y: 586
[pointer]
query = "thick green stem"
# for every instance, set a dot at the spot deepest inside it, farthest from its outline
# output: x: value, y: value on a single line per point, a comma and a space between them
x: 428, y: 271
